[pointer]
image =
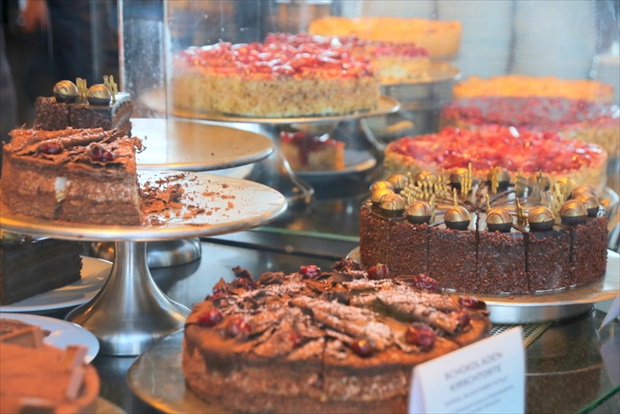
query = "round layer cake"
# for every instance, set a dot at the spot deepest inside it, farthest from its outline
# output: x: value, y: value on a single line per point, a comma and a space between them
x: 528, y: 86
x: 273, y: 79
x: 336, y: 342
x: 487, y: 237
x: 394, y: 62
x: 588, y: 121
x: 452, y: 149
x: 440, y: 38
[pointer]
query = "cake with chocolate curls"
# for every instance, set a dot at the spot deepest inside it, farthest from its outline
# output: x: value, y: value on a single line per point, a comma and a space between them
x: 337, y: 341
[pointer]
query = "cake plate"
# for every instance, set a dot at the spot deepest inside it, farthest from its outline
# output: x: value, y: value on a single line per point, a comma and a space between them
x: 182, y: 145
x: 277, y: 172
x: 130, y: 312
x: 544, y: 307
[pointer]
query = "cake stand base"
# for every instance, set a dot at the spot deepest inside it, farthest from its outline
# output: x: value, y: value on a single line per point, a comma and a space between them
x: 158, y: 254
x: 130, y: 312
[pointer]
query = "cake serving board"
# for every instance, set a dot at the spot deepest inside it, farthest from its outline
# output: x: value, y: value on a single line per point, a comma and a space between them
x: 517, y: 309
x: 183, y: 145
x: 233, y: 205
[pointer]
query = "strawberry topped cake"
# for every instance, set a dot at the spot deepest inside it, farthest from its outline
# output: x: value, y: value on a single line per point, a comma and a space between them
x: 394, y: 62
x: 590, y: 121
x: 274, y: 79
x: 452, y: 149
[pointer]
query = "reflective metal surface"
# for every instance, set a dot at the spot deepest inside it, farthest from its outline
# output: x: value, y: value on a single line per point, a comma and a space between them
x: 182, y: 145
x: 234, y: 205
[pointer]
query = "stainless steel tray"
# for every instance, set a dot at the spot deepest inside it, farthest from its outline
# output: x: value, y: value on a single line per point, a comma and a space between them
x: 190, y: 145
x: 518, y: 309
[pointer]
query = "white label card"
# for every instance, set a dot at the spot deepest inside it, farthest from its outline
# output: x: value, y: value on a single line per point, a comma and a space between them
x: 485, y: 377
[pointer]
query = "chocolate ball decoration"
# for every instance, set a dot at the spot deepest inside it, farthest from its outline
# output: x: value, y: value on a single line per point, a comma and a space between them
x: 541, y: 219
x: 65, y: 91
x: 503, y: 176
x: 590, y: 202
x: 392, y: 205
x: 583, y: 189
x: 457, y: 218
x: 381, y: 184
x: 419, y: 212
x: 99, y: 95
x: 499, y: 219
x: 426, y: 176
x: 573, y: 212
x: 398, y: 182
x: 378, y: 193
x: 456, y: 177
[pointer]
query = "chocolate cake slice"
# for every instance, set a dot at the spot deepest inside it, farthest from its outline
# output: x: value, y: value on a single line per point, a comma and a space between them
x: 78, y: 175
x: 28, y: 269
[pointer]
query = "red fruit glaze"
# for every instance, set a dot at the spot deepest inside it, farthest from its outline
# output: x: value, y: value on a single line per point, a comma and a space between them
x: 421, y: 335
x: 379, y: 271
x: 363, y: 347
x: 310, y: 271
x: 210, y: 317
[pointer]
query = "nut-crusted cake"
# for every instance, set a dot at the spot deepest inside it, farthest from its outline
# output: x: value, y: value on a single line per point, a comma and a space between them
x: 492, y: 237
x: 97, y: 107
x: 340, y: 341
x: 78, y: 175
x: 273, y: 79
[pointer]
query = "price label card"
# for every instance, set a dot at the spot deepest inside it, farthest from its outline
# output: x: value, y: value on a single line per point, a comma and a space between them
x: 485, y: 377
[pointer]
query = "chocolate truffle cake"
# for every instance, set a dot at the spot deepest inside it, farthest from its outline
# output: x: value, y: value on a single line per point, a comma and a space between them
x: 340, y: 341
x: 488, y: 237
x: 78, y: 175
x: 29, y: 268
x: 98, y: 107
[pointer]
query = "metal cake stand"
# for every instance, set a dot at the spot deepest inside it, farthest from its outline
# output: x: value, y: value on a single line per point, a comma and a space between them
x: 184, y: 145
x: 277, y: 172
x: 130, y: 312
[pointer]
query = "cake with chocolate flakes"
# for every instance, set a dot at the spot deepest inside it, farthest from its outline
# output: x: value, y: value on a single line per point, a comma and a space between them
x: 76, y: 175
x: 31, y: 267
x: 337, y: 341
x: 486, y: 237
x: 309, y: 152
x: 36, y: 377
x: 97, y: 107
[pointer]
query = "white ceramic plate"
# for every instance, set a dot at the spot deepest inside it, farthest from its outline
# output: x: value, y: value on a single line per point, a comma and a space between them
x: 94, y: 274
x: 62, y: 333
x: 354, y: 161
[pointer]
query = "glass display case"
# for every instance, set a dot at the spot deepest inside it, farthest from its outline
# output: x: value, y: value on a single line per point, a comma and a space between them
x: 576, y: 40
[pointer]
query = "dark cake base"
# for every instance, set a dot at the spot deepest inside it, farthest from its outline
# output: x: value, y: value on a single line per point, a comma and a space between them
x: 33, y: 268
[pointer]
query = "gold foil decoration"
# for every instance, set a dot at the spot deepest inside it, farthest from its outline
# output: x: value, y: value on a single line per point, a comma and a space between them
x: 433, y: 205
x: 467, y: 181
x: 521, y: 216
x: 558, y: 198
x: 108, y: 81
x: 520, y: 184
x: 488, y: 202
x: 82, y: 88
x: 495, y: 179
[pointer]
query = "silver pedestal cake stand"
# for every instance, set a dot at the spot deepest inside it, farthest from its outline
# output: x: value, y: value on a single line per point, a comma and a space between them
x: 130, y: 312
x: 187, y: 145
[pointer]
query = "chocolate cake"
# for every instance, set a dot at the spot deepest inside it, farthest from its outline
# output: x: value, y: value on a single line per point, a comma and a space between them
x: 32, y: 267
x: 96, y: 108
x: 78, y: 175
x: 488, y: 237
x: 338, y: 341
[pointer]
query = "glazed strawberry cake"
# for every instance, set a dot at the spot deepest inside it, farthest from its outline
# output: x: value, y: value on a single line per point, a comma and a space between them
x: 452, y: 149
x: 337, y: 341
x: 584, y: 120
x: 273, y: 79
